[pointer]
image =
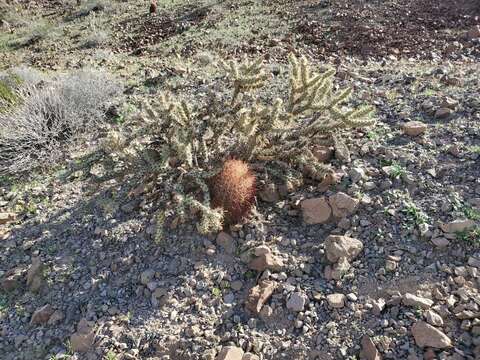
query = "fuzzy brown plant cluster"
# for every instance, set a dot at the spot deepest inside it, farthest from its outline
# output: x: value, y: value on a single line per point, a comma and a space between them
x: 233, y: 189
x: 203, y: 150
x: 153, y: 7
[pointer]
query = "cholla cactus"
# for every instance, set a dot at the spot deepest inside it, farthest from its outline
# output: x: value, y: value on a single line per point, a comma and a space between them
x: 190, y: 153
x: 194, y: 143
x: 311, y: 115
x: 246, y: 77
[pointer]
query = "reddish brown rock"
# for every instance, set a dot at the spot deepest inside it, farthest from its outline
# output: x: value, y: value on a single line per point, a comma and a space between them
x: 42, y: 315
x: 259, y: 295
x: 414, y: 128
x: 316, y: 211
x: 82, y: 341
x: 266, y: 261
x: 369, y: 350
x: 343, y: 205
x: 427, y: 335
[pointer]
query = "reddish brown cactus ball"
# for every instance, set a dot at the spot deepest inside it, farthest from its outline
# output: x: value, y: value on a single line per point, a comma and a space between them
x: 233, y: 189
x: 153, y: 7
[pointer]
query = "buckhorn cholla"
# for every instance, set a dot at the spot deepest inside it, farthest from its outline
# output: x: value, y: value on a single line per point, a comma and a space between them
x: 193, y: 142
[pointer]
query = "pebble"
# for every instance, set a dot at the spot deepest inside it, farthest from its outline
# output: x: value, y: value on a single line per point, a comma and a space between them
x: 443, y: 113
x: 433, y: 318
x: 296, y: 302
x: 414, y: 128
x: 336, y: 301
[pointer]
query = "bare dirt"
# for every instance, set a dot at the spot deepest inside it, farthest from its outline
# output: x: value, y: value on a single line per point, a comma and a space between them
x: 419, y: 29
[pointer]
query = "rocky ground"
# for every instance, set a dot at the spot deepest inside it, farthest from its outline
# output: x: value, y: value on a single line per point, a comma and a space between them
x: 382, y: 262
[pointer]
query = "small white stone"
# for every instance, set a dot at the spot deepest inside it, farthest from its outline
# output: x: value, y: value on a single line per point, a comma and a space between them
x: 433, y: 318
x: 336, y: 301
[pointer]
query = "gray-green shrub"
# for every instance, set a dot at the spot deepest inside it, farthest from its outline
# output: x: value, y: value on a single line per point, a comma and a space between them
x: 52, y: 116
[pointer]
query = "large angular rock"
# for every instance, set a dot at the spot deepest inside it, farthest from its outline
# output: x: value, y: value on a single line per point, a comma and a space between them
x: 11, y: 280
x: 296, y: 302
x: 316, y: 211
x: 343, y: 205
x: 414, y: 128
x: 6, y: 217
x: 457, y: 226
x: 82, y: 341
x: 337, y: 246
x: 266, y: 261
x: 427, y: 335
x: 35, y: 276
x: 226, y: 242
x: 417, y: 301
x: 369, y: 350
x: 259, y: 295
x: 230, y: 353
x: 42, y: 315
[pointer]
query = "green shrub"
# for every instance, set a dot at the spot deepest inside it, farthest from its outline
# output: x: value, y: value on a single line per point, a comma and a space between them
x: 470, y: 237
x: 8, y: 97
x: 89, y: 7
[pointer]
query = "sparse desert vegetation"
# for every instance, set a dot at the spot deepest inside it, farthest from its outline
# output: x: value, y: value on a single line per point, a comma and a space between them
x: 239, y: 180
x: 41, y: 120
